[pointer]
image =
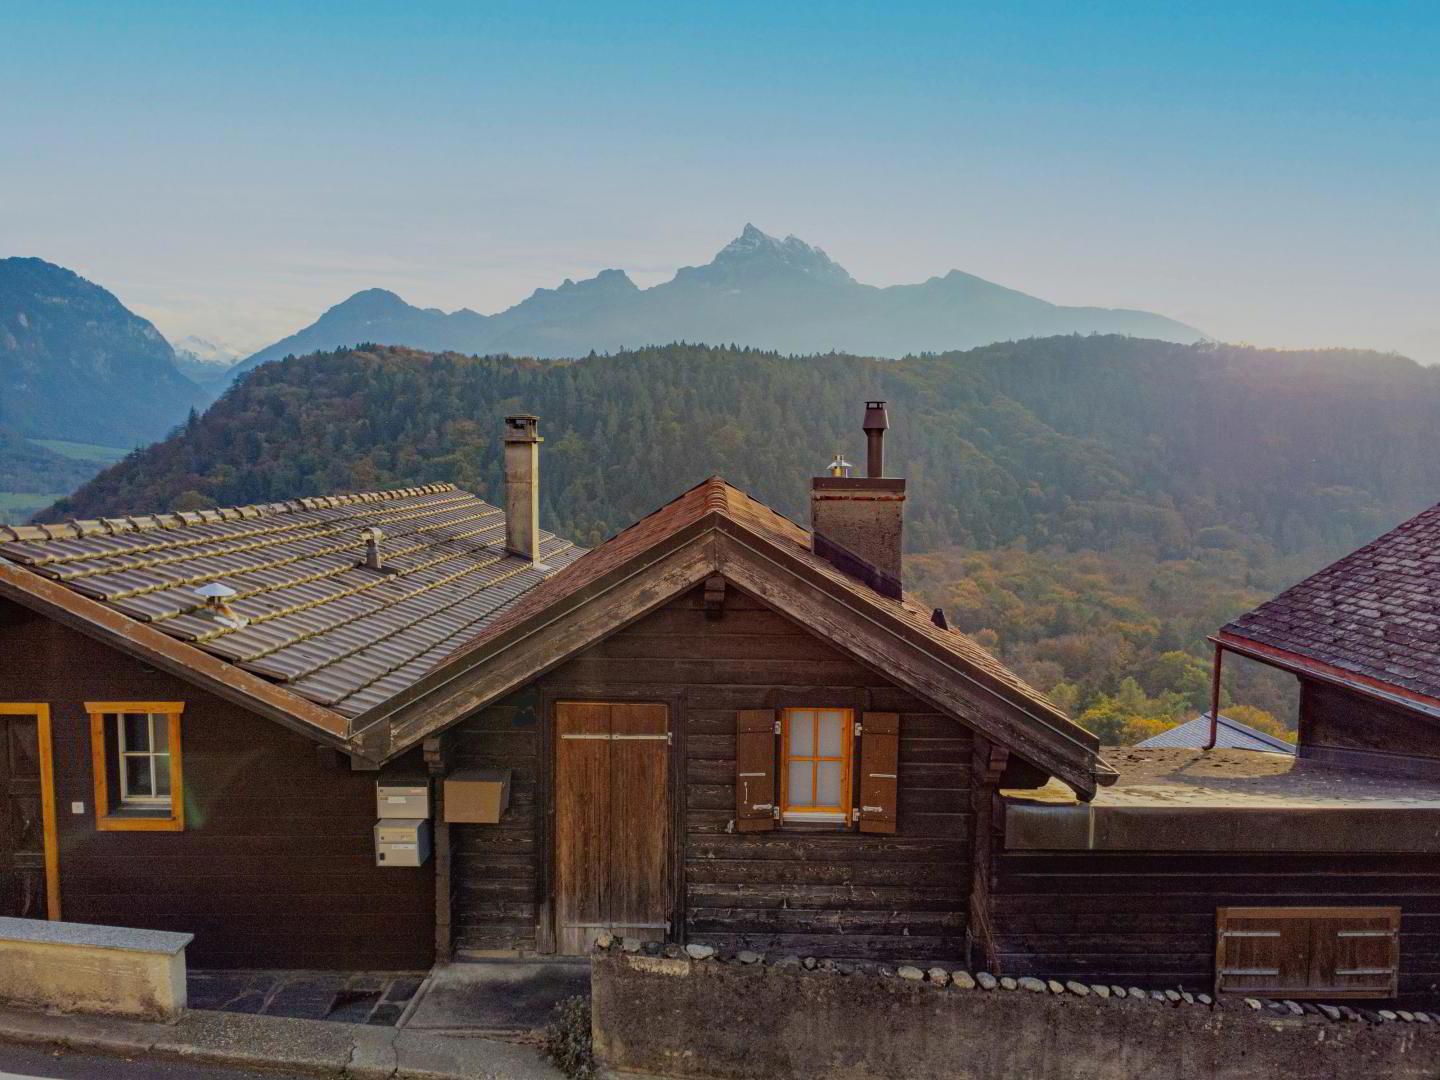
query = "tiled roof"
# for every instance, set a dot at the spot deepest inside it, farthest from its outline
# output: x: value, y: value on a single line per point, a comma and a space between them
x: 316, y: 620
x: 1229, y: 735
x: 1374, y: 614
x: 715, y: 495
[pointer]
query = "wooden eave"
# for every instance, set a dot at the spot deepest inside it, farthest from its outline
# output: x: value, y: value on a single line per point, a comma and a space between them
x: 160, y: 650
x: 840, y: 613
x: 1320, y: 671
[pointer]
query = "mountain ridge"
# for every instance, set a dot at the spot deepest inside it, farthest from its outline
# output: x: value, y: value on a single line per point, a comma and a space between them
x: 757, y: 291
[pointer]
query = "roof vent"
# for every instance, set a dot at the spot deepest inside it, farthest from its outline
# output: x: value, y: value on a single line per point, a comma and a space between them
x: 840, y: 467
x: 374, y: 556
x: 216, y: 596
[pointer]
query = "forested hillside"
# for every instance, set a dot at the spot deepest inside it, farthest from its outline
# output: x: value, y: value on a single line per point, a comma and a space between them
x: 1228, y: 471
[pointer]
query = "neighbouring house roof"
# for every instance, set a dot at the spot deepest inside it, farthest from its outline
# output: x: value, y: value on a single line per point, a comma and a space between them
x: 1229, y: 734
x: 1184, y: 799
x: 319, y: 624
x: 716, y: 528
x: 1370, y: 620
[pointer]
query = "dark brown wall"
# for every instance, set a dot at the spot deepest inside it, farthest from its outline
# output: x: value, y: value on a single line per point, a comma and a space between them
x: 823, y: 893
x: 1149, y: 919
x: 1356, y: 729
x: 275, y: 867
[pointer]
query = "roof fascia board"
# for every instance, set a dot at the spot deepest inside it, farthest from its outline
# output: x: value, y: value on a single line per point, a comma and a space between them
x: 1327, y: 673
x: 135, y: 638
x: 920, y: 670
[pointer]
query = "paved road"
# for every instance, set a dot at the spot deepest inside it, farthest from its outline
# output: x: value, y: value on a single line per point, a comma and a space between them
x: 35, y: 1063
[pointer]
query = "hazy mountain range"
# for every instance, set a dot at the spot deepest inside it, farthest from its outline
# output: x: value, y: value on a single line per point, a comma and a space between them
x: 761, y: 291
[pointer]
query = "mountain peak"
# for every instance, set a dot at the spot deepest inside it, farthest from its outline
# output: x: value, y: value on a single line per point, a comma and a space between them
x: 754, y: 249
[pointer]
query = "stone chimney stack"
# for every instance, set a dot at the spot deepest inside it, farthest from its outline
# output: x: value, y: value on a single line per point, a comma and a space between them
x: 856, y: 521
x: 522, y: 486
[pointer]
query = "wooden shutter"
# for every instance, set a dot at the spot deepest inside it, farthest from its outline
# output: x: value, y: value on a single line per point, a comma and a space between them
x: 879, y: 769
x: 755, y: 770
x: 1301, y: 952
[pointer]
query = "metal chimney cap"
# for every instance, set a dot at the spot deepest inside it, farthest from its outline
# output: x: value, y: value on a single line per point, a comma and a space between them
x: 372, y: 532
x: 876, y: 418
x: 215, y: 591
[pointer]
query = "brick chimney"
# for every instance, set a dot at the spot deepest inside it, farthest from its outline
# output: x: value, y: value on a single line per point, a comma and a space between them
x: 856, y: 521
x: 522, y: 486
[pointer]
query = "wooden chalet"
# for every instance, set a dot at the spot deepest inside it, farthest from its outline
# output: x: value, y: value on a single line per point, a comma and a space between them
x: 1317, y: 876
x: 717, y: 726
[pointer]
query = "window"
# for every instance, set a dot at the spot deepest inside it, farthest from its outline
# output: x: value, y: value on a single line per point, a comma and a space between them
x: 1337, y: 952
x: 135, y: 751
x: 816, y: 755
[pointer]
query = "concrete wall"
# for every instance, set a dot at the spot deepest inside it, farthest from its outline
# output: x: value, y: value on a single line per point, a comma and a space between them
x: 100, y: 969
x: 686, y: 1018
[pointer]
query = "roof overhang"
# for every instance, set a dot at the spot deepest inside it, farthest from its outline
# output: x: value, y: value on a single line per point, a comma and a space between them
x: 1327, y: 673
x: 717, y: 543
x: 160, y: 650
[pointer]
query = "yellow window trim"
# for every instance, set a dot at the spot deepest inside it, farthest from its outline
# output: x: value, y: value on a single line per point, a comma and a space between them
x: 847, y: 722
x: 47, y: 797
x: 107, y: 819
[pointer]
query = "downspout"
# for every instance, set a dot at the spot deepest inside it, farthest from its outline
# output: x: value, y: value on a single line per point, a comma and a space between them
x: 1214, y: 699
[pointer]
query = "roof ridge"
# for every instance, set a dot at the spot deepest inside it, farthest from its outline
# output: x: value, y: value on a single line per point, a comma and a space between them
x: 75, y: 529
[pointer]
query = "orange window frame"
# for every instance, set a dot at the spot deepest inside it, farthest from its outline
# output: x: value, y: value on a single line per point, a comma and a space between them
x: 841, y: 812
x: 49, y: 824
x: 110, y: 816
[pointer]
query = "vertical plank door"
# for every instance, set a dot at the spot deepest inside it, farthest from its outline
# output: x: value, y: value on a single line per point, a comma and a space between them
x: 25, y: 839
x: 612, y: 822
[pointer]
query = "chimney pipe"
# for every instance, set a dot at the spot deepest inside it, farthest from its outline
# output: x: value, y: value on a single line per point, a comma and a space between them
x: 374, y: 557
x: 522, y: 486
x: 876, y: 421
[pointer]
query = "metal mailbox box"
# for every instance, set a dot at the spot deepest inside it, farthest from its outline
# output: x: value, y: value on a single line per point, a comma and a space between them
x: 477, y: 796
x: 402, y: 799
x: 402, y: 842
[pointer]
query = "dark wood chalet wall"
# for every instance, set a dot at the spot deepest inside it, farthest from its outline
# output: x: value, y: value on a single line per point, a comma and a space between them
x: 817, y: 892
x: 1355, y: 729
x: 1149, y: 919
x: 275, y: 867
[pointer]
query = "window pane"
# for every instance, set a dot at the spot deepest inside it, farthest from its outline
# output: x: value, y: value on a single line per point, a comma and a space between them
x: 137, y: 731
x: 162, y: 775
x: 160, y: 731
x: 829, y: 783
x: 832, y: 734
x: 137, y: 777
x: 800, y: 790
x: 802, y: 733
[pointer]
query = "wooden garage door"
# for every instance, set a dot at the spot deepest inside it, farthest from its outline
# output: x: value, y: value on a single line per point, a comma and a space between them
x: 612, y: 822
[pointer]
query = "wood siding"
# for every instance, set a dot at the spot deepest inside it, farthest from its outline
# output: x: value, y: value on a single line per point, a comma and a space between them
x: 275, y: 866
x: 1356, y: 729
x: 1137, y: 918
x: 812, y: 889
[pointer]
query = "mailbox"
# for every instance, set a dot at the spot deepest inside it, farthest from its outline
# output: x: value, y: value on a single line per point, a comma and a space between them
x: 402, y: 842
x: 477, y: 796
x: 402, y: 799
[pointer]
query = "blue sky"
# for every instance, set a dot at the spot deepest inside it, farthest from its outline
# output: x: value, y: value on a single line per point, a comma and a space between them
x: 1269, y: 172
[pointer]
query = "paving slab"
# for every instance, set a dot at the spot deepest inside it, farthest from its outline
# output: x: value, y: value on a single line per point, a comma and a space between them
x: 501, y: 996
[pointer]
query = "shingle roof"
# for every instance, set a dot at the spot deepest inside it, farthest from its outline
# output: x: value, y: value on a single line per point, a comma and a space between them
x: 317, y: 621
x: 1374, y: 614
x: 1229, y: 734
x: 716, y: 495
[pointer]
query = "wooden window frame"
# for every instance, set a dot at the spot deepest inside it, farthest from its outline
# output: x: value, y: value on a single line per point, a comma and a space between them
x: 110, y: 815
x: 837, y: 815
x: 49, y: 823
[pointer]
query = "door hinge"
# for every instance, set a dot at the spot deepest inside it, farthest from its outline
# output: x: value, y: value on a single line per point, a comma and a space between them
x: 775, y: 812
x: 855, y: 813
x: 777, y: 727
x: 859, y: 727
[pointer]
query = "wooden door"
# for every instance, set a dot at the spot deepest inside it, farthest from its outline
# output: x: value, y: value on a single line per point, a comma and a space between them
x: 28, y: 852
x: 612, y: 822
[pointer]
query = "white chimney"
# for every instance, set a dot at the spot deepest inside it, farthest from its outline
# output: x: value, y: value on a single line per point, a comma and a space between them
x: 522, y: 486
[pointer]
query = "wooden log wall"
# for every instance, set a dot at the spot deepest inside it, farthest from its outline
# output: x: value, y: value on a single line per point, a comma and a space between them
x: 1148, y: 919
x: 276, y: 864
x: 814, y: 890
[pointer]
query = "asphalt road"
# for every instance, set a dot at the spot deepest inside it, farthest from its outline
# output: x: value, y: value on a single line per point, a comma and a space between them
x: 43, y: 1063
